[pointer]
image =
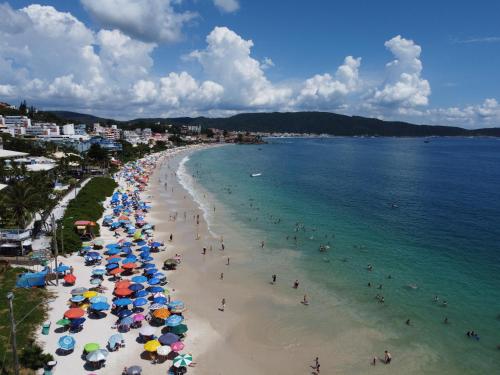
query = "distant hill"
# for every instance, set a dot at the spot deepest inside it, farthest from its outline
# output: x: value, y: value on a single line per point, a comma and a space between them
x: 82, y: 117
x: 299, y: 122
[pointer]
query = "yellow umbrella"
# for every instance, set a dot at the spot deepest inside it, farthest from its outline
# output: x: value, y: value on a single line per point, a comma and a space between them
x: 137, y: 234
x: 89, y: 294
x: 152, y: 345
x: 161, y: 313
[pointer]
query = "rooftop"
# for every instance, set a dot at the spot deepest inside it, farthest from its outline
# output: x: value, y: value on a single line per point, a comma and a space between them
x: 7, y: 154
x: 2, y: 186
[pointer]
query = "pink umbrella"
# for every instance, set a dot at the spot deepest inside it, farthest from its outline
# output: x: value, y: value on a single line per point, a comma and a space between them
x: 177, y: 346
x: 139, y: 317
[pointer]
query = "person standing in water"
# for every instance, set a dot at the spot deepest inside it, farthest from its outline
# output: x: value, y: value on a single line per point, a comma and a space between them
x: 296, y: 284
x: 274, y: 279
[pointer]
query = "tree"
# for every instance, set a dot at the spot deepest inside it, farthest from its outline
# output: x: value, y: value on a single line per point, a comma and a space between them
x: 97, y: 153
x: 21, y: 202
x: 23, y: 107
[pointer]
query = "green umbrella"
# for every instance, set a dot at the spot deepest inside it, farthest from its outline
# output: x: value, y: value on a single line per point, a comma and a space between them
x: 183, y: 360
x: 63, y: 322
x: 91, y: 346
x: 179, y: 330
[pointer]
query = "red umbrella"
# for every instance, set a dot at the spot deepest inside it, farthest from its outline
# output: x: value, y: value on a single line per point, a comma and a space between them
x: 116, y: 271
x: 70, y: 278
x: 122, y: 292
x: 123, y: 284
x: 113, y: 257
x: 74, y: 313
x: 129, y: 266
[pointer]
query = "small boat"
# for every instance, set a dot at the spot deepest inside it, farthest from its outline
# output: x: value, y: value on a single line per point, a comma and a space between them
x: 256, y: 174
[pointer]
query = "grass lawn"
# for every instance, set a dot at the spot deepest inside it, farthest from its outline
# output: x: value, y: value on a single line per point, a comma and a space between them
x: 24, y: 301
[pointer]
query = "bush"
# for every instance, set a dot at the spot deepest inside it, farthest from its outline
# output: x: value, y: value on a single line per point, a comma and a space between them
x: 33, y: 357
x: 86, y: 206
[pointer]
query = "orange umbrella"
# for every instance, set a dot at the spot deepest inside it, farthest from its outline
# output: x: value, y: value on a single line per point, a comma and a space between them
x: 74, y: 313
x: 129, y: 266
x: 70, y: 278
x: 123, y: 284
x: 161, y: 313
x: 113, y: 257
x: 123, y: 217
x: 122, y: 292
x: 116, y: 271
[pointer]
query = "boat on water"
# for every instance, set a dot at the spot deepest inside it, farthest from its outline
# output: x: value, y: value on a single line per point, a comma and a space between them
x: 256, y: 174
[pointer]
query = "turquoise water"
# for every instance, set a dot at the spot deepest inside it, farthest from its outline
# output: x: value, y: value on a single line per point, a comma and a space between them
x: 426, y: 216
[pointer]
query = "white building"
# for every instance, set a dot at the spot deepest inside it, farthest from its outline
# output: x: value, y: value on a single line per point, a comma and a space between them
x: 68, y: 129
x: 16, y: 121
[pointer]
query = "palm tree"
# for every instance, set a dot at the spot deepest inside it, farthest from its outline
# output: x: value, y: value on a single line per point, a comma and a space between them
x: 20, y: 201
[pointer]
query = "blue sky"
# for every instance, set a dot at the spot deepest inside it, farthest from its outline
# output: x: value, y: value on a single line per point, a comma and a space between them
x: 443, y: 57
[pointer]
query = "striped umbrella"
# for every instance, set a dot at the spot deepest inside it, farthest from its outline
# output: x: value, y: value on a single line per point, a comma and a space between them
x: 183, y: 360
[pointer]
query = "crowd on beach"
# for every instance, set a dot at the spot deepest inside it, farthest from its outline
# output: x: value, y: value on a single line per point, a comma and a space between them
x: 125, y: 287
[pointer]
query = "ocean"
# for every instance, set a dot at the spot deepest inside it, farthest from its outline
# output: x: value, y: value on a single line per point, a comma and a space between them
x: 411, y: 222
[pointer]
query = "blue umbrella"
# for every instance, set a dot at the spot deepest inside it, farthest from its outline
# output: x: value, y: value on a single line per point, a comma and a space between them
x: 151, y: 271
x: 168, y: 339
x: 122, y: 301
x: 62, y: 268
x: 128, y: 260
x: 96, y: 281
x: 117, y: 338
x: 114, y: 260
x: 67, y: 342
x: 126, y: 321
x: 155, y: 289
x: 174, y: 320
x: 77, y: 299
x: 149, y: 265
x: 156, y: 244
x: 98, y: 271
x: 128, y: 244
x: 140, y: 302
x: 136, y: 287
x: 160, y: 275
x: 130, y: 231
x: 147, y: 259
x: 141, y: 293
x: 112, y: 246
x: 145, y: 248
x: 154, y: 281
x: 98, y: 299
x: 175, y: 304
x: 113, y: 251
x: 127, y: 250
x: 111, y: 266
x: 124, y: 313
x: 161, y: 300
x: 77, y: 321
x: 141, y: 243
x: 156, y: 306
x: 139, y: 279
x: 86, y: 247
x: 100, y: 306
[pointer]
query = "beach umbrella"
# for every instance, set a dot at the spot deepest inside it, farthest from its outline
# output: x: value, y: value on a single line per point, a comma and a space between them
x: 113, y: 251
x: 116, y: 271
x: 160, y: 275
x: 140, y: 302
x: 152, y: 345
x: 149, y: 265
x: 154, y: 281
x: 141, y: 243
x: 93, y: 255
x: 98, y: 242
x: 77, y: 321
x: 70, y: 279
x: 163, y: 350
x: 174, y: 320
x: 147, y: 331
x: 100, y: 306
x: 161, y: 300
x: 134, y: 370
x: 183, y: 360
x: 122, y: 292
x: 90, y: 293
x: 156, y: 306
x: 127, y: 250
x: 74, y: 313
x: 98, y: 299
x: 97, y: 355
x: 79, y: 290
x: 91, y: 346
x: 115, y: 339
x: 114, y: 260
x: 175, y: 304
x: 122, y: 284
x: 77, y: 299
x: 63, y: 322
x: 177, y: 346
x: 147, y: 259
x: 168, y: 338
x: 136, y: 287
x: 127, y: 244
x: 67, y: 342
x: 141, y: 293
x: 179, y: 330
x: 137, y: 234
x: 96, y: 281
x: 126, y: 321
x: 156, y: 244
x: 62, y: 268
x: 139, y: 279
x: 130, y: 266
x: 139, y: 317
x: 98, y: 271
x: 112, y: 246
x: 151, y: 271
x: 144, y: 248
x: 124, y: 313
x: 161, y: 313
x: 122, y: 301
x: 112, y: 266
x: 155, y: 289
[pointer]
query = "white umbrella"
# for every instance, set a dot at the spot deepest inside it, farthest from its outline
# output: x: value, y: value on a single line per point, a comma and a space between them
x: 147, y: 331
x: 163, y: 350
x: 97, y: 355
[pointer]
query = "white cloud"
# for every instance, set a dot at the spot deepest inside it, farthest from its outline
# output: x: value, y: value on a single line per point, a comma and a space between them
x: 266, y: 63
x: 147, y: 20
x: 227, y: 61
x: 404, y: 86
x: 227, y: 6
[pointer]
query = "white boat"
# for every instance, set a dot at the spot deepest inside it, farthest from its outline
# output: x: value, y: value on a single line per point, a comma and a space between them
x: 256, y: 174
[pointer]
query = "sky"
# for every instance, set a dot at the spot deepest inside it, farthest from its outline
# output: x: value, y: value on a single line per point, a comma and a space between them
x: 427, y: 62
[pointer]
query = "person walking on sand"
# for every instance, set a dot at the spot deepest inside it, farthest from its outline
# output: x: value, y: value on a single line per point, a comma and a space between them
x: 222, y: 246
x: 296, y: 284
x: 227, y: 261
x: 223, y: 305
x: 387, y: 357
x: 305, y: 301
x: 204, y: 251
x: 222, y: 275
x: 274, y: 279
x: 171, y: 237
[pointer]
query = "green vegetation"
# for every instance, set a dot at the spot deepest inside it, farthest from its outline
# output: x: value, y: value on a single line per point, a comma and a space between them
x: 86, y: 206
x: 25, y: 301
